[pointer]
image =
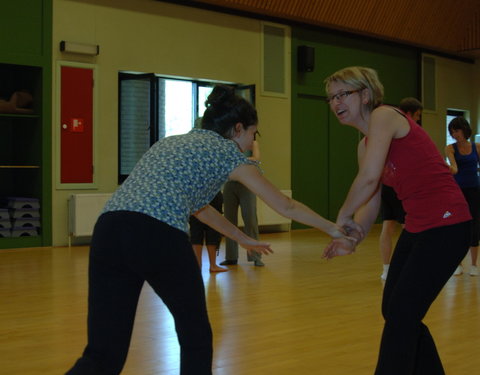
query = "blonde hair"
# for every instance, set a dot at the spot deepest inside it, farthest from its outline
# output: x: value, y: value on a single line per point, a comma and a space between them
x: 360, y: 77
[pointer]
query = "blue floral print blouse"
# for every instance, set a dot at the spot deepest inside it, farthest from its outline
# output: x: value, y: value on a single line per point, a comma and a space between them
x: 178, y: 176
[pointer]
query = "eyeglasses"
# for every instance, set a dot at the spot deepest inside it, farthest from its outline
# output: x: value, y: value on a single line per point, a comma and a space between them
x: 340, y: 97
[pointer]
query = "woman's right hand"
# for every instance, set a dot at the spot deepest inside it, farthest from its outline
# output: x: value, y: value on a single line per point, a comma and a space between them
x: 350, y: 227
x: 339, y: 247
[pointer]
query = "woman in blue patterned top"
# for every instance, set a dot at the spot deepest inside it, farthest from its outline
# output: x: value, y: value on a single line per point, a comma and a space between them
x: 142, y: 234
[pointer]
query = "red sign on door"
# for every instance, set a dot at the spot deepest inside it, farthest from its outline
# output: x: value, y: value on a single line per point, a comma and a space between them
x: 76, y: 125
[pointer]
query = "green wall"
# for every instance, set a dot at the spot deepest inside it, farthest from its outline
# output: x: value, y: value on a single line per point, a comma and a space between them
x: 324, y: 153
x: 26, y: 51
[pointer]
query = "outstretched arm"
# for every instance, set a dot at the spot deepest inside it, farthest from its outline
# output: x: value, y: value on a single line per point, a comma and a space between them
x: 384, y: 125
x: 214, y: 219
x: 362, y: 204
x: 250, y: 176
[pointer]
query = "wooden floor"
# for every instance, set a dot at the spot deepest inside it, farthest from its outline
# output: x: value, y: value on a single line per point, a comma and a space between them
x: 298, y: 315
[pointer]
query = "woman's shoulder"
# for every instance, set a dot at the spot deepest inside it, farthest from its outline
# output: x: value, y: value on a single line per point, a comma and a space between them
x: 450, y: 146
x: 477, y: 147
x: 387, y: 112
x: 389, y: 119
x: 386, y: 108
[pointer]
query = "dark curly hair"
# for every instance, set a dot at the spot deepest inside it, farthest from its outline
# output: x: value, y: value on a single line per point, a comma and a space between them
x: 225, y: 109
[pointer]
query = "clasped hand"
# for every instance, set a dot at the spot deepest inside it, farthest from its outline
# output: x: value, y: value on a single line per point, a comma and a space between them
x: 339, y: 246
x: 346, y: 244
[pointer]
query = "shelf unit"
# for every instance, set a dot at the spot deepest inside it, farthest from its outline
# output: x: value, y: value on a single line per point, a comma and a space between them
x: 21, y: 141
x: 25, y: 138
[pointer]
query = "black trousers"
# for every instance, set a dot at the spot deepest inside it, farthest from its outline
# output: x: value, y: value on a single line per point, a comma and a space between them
x: 421, y: 265
x: 201, y: 233
x: 128, y: 249
x: 472, y: 196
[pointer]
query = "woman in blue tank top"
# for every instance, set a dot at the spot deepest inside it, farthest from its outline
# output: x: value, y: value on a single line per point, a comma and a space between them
x: 463, y: 158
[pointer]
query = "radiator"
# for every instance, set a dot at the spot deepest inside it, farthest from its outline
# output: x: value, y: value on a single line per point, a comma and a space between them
x: 83, y: 211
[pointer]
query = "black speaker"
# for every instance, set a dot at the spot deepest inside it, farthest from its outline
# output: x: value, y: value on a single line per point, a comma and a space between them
x: 305, y: 58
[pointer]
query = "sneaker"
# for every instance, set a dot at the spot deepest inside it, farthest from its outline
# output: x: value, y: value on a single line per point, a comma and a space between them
x: 458, y: 271
x: 227, y: 262
x: 384, y: 275
x: 473, y: 271
x: 258, y: 263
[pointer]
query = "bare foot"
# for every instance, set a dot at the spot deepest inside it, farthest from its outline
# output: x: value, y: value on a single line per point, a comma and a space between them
x: 218, y: 269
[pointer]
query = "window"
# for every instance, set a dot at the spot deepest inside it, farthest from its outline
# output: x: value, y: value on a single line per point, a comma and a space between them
x: 152, y: 107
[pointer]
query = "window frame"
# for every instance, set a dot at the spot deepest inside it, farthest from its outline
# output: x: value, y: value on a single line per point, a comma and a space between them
x: 246, y: 91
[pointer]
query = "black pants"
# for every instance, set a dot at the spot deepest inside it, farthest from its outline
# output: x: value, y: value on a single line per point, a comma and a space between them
x: 201, y: 233
x: 421, y: 265
x: 472, y: 196
x: 127, y: 249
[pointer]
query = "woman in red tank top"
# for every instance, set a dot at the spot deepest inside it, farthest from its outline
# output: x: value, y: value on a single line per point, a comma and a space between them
x: 399, y: 153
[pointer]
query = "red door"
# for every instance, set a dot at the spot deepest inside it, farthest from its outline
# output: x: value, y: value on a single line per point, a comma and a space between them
x: 76, y: 143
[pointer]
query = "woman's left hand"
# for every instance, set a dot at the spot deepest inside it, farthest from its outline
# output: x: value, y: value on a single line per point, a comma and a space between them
x: 254, y: 246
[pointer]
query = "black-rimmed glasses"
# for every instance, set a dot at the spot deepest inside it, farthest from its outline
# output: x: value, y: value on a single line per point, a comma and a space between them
x: 340, y: 97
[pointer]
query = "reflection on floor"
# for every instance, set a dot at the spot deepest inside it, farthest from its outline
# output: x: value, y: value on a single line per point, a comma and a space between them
x: 299, y: 314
